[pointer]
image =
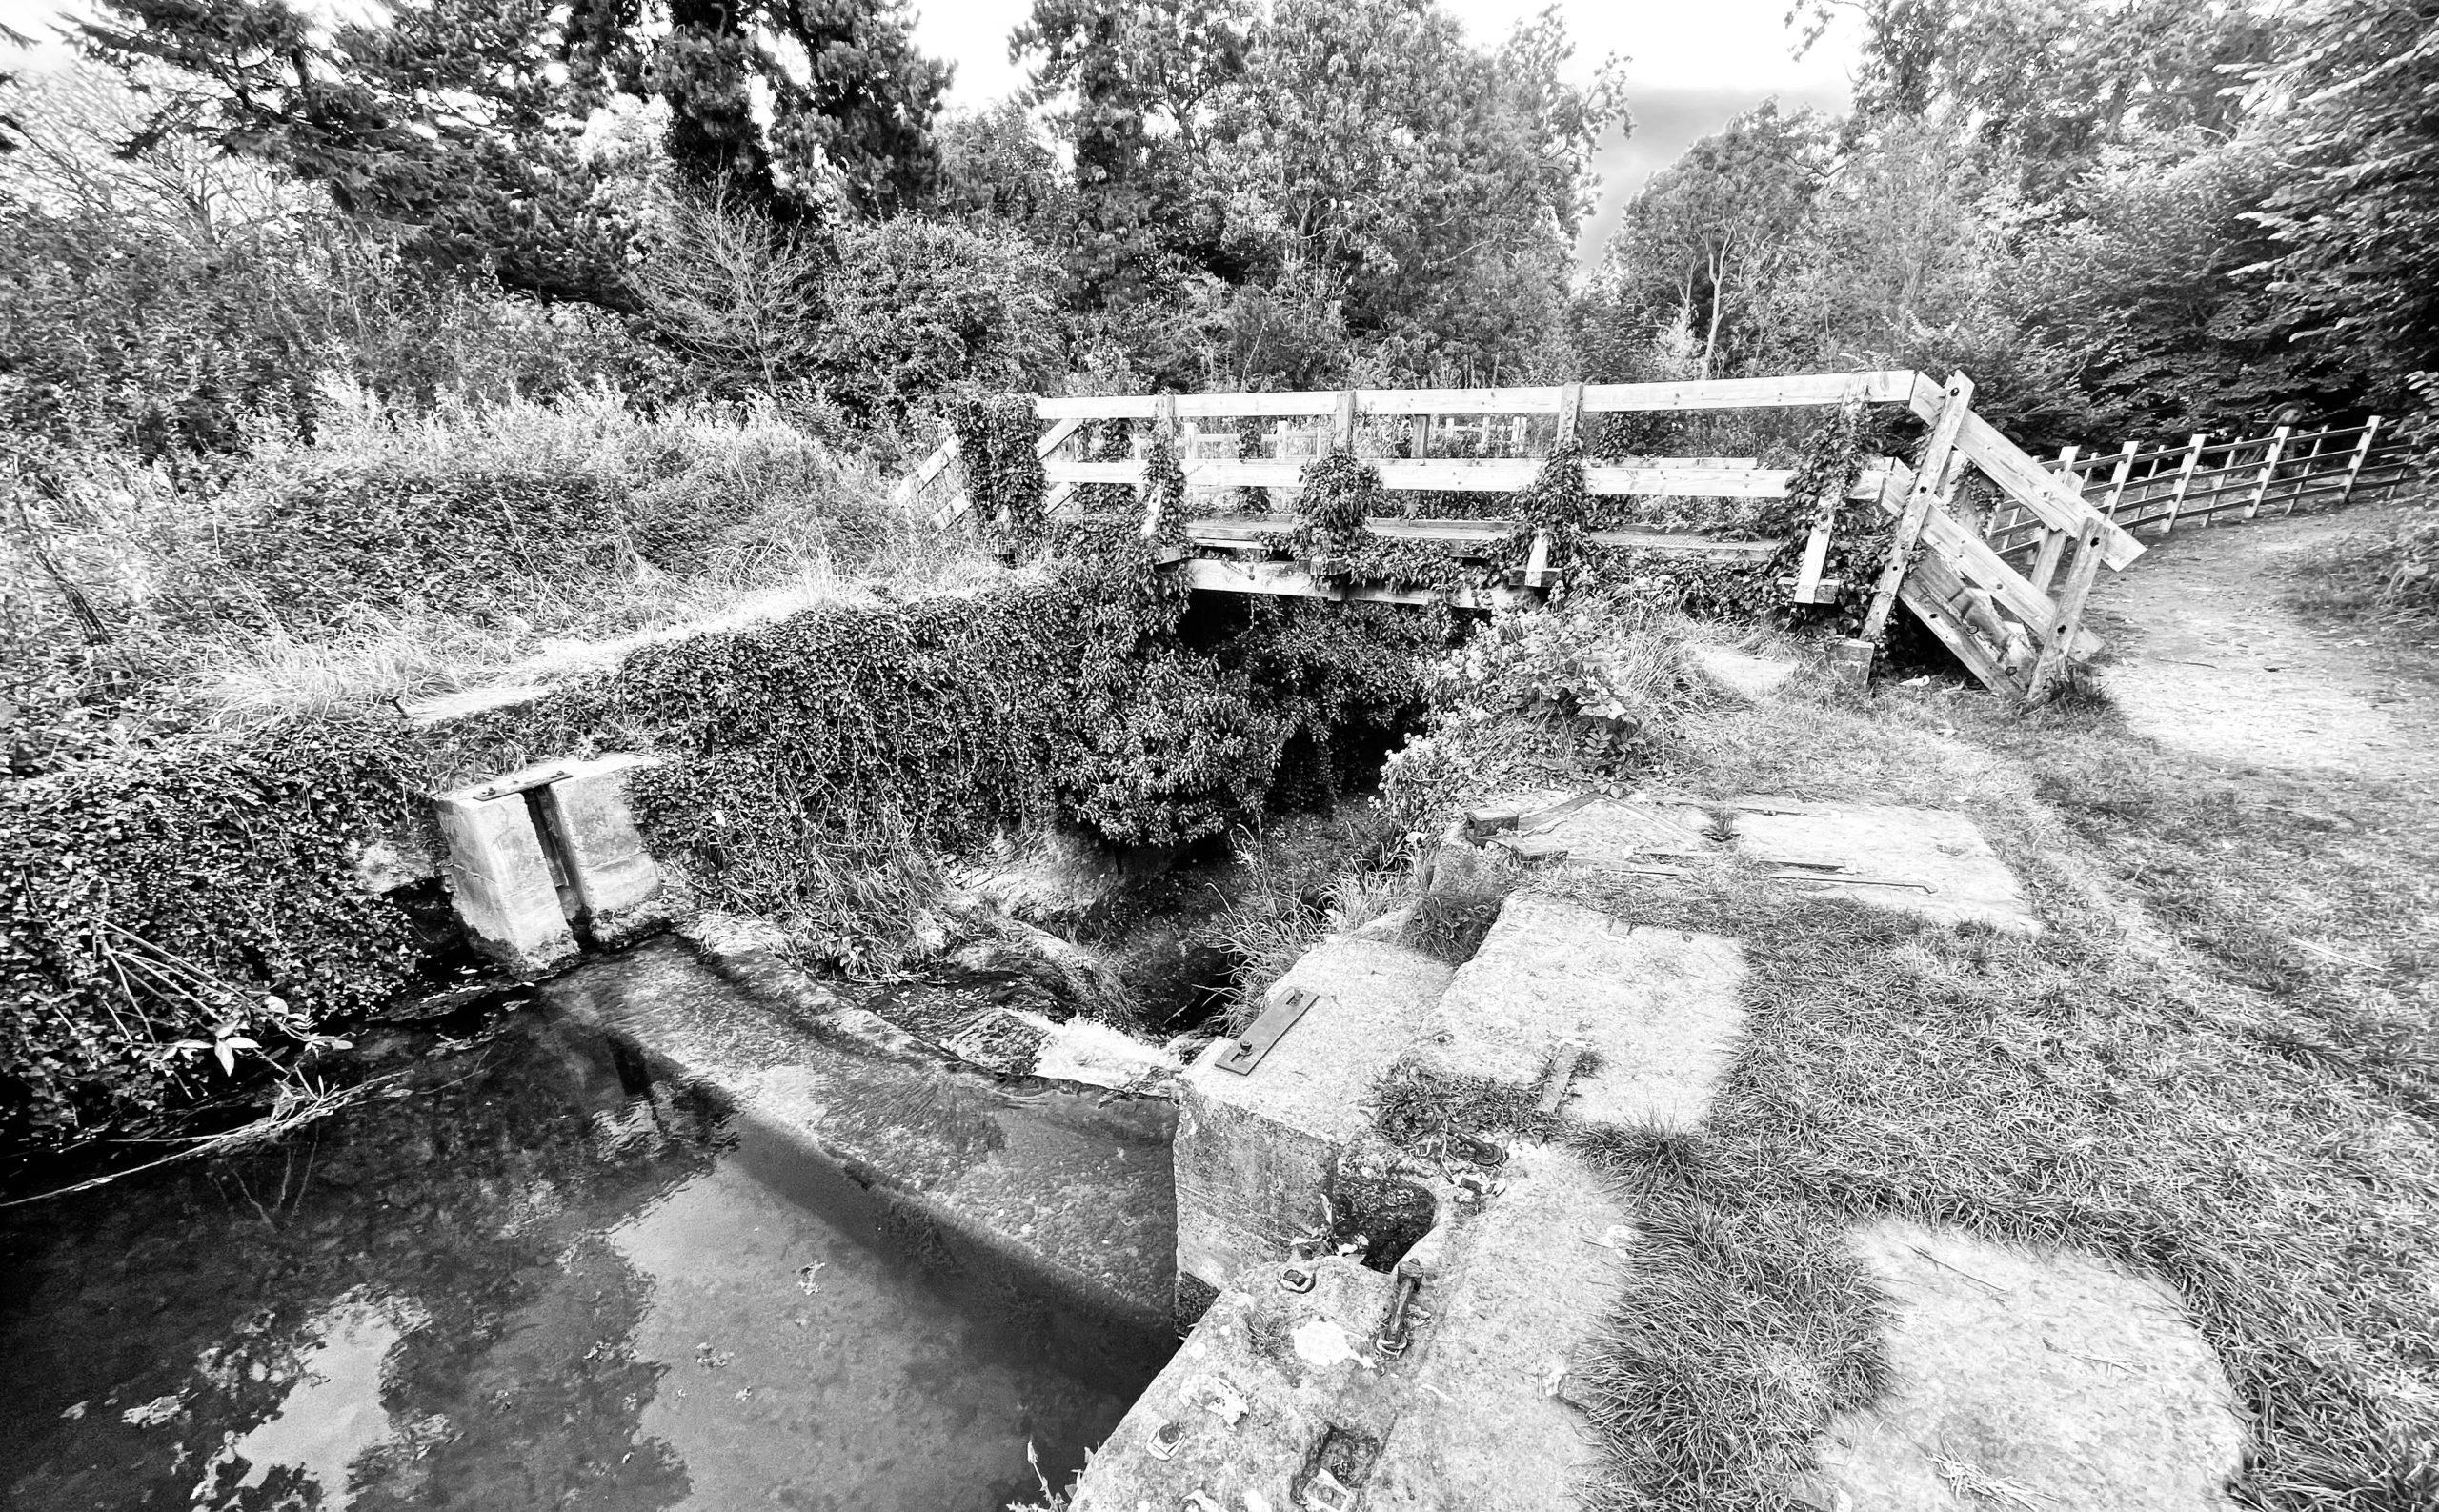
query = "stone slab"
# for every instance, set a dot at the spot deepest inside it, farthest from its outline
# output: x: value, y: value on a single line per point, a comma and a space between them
x: 1659, y: 1008
x: 1252, y: 1150
x: 2049, y: 1377
x: 1929, y: 863
x: 500, y: 881
x: 1486, y: 1423
x: 1626, y: 834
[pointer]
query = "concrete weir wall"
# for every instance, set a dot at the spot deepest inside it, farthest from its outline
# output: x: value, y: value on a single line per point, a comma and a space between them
x: 538, y: 856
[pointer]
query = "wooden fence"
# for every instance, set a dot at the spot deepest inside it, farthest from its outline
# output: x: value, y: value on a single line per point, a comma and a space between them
x: 2018, y: 635
x: 2155, y: 489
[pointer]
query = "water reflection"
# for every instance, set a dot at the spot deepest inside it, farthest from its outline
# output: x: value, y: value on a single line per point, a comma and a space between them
x: 334, y: 1412
x: 541, y: 1280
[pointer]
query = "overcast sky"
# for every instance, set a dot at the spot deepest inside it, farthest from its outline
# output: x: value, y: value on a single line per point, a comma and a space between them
x: 1691, y: 65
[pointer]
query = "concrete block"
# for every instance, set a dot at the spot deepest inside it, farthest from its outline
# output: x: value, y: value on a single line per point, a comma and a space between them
x: 616, y: 880
x: 1246, y: 1407
x: 1273, y: 1386
x: 1658, y: 1007
x: 1924, y: 861
x: 2032, y: 1380
x: 500, y: 881
x: 1485, y: 1422
x: 1252, y: 1150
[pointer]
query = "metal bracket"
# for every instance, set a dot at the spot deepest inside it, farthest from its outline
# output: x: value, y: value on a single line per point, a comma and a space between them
x: 1266, y: 1031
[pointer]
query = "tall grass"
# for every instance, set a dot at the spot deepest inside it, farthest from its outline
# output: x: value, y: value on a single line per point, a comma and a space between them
x: 402, y: 553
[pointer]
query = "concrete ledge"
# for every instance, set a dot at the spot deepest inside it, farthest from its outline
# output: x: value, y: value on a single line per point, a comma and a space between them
x: 1253, y: 1151
x: 1083, y: 1197
x: 1658, y: 1007
x: 1275, y: 1386
x: 1489, y: 1425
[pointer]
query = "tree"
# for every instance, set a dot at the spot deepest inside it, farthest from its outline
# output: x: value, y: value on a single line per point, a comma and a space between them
x: 850, y: 100
x: 462, y: 121
x: 1135, y: 87
x: 2356, y: 211
x: 1440, y: 186
x: 446, y: 120
x: 735, y: 292
x: 2047, y: 84
x: 1712, y: 231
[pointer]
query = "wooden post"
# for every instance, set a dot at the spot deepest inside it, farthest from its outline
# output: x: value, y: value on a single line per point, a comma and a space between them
x: 1927, y: 495
x: 2051, y: 665
x: 1165, y: 417
x: 2184, y: 481
x: 1342, y: 431
x: 2117, y: 479
x: 1570, y: 410
x: 1421, y: 437
x: 1537, y: 562
x: 2268, y: 468
x: 2044, y: 562
x: 2306, y: 481
x: 2354, y: 468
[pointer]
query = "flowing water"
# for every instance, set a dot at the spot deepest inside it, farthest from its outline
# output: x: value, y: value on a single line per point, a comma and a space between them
x: 536, y: 1277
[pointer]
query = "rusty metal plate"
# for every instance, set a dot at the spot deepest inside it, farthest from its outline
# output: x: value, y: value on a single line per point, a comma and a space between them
x: 1266, y: 1031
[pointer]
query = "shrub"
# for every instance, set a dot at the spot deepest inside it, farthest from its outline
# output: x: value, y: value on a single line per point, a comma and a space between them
x: 915, y: 308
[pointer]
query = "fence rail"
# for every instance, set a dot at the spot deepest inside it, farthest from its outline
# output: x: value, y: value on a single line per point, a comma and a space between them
x: 2018, y: 630
x: 2154, y: 488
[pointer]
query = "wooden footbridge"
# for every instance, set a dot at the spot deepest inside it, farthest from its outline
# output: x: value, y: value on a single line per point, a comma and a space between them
x: 2017, y: 623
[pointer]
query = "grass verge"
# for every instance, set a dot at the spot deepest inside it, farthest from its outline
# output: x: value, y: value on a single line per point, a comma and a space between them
x: 2177, y: 1087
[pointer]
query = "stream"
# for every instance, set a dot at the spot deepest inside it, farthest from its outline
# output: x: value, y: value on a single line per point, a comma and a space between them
x: 531, y: 1275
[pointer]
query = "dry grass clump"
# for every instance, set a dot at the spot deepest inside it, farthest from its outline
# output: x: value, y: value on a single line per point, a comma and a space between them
x: 2099, y: 1087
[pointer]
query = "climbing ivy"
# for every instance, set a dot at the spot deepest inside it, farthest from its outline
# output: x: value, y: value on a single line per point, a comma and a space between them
x: 169, y: 904
x: 996, y: 437
x: 1162, y: 494
x: 1830, y: 461
x: 1554, y: 503
x: 1338, y: 493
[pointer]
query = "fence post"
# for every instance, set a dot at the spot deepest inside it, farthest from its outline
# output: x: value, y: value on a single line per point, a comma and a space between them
x: 2117, y: 479
x: 2058, y: 654
x: 2306, y: 481
x: 1925, y: 498
x: 2184, y: 481
x: 1165, y: 417
x: 1422, y: 436
x: 2354, y: 468
x: 1343, y: 430
x: 2269, y: 467
x: 1570, y: 410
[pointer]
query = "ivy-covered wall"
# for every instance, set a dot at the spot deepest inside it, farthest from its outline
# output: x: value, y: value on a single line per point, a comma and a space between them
x: 163, y: 906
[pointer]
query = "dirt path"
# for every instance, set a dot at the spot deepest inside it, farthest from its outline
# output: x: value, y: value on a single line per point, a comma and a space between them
x: 2205, y: 657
